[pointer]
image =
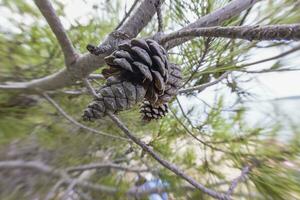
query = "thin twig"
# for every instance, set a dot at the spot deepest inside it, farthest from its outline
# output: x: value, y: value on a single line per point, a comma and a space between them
x: 215, y: 18
x: 159, y: 17
x: 70, y: 188
x: 272, y: 58
x: 104, y: 165
x: 90, y: 88
x: 51, y: 194
x: 69, y: 118
x: 201, y: 60
x: 65, y: 179
x: 95, y: 76
x: 270, y: 32
x: 165, y: 163
x: 203, y: 86
x: 56, y: 26
x: 127, y: 14
x: 240, y: 178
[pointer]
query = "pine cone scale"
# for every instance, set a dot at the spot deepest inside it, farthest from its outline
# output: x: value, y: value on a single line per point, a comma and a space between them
x: 143, y: 55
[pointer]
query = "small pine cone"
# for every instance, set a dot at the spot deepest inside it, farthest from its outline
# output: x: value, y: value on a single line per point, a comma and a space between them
x: 114, y: 96
x: 141, y: 61
x: 172, y: 86
x: 160, y: 109
x: 150, y: 112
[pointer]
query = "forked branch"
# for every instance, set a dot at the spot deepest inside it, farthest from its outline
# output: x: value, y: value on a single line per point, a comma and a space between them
x: 56, y: 26
x: 215, y: 18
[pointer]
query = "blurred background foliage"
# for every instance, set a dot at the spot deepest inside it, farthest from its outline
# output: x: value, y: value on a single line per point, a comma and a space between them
x: 211, y: 134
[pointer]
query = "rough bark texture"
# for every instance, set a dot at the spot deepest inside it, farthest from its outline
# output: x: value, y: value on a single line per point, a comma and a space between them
x: 272, y: 32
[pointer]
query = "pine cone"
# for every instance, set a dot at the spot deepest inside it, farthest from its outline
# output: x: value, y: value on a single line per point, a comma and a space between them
x: 150, y: 112
x: 143, y: 62
x: 172, y: 86
x: 138, y: 70
x: 114, y: 96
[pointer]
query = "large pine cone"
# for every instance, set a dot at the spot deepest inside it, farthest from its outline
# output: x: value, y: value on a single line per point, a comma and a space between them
x: 144, y: 62
x: 150, y: 112
x: 116, y: 95
x: 138, y: 70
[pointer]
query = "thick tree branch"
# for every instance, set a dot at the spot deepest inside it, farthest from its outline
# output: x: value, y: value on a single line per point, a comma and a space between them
x: 88, y: 63
x: 165, y: 163
x: 56, y: 26
x: 215, y: 18
x: 271, y: 32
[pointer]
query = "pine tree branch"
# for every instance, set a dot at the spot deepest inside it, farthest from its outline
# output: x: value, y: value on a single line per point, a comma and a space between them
x: 159, y: 17
x: 271, y: 32
x: 104, y: 165
x: 87, y: 63
x: 296, y: 48
x: 96, y: 76
x: 215, y: 18
x: 165, y: 163
x: 127, y: 14
x: 73, y: 121
x: 51, y: 194
x: 36, y: 165
x: 57, y: 28
x: 90, y: 88
x: 245, y: 171
x: 203, y: 86
x: 65, y: 179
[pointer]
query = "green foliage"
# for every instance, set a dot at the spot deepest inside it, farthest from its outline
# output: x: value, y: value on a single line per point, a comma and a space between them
x: 208, y: 140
